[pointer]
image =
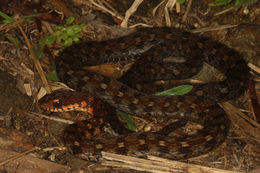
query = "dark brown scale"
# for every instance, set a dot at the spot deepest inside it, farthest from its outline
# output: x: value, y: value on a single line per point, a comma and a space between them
x: 159, y: 54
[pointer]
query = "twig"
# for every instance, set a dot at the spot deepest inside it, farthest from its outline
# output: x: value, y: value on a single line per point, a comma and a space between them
x: 156, y: 164
x: 140, y: 24
x: 248, y: 125
x: 187, y: 11
x: 156, y: 8
x: 178, y: 7
x: 13, y: 24
x: 106, y: 10
x: 254, y: 67
x: 206, y: 29
x: 50, y: 118
x: 53, y: 148
x: 203, y: 24
x: 250, y: 99
x: 109, y: 6
x: 36, y: 61
x: 63, y: 6
x: 130, y: 11
x: 169, y: 5
x: 2, y: 58
x: 18, y: 156
x: 224, y: 11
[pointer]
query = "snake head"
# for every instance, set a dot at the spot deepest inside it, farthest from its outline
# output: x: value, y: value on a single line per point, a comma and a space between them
x: 65, y: 100
x: 52, y: 105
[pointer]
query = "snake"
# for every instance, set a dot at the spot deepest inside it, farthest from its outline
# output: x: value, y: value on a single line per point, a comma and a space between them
x: 157, y: 54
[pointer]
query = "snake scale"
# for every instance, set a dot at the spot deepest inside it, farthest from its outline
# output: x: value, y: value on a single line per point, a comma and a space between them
x: 150, y: 49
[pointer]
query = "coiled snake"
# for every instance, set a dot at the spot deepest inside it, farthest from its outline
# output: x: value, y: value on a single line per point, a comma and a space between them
x: 151, y: 49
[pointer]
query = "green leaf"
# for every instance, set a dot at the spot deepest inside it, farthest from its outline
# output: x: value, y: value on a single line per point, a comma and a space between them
x: 68, y: 34
x: 129, y: 121
x: 29, y: 17
x: 76, y: 38
x: 67, y: 42
x: 239, y: 3
x: 42, y: 42
x: 53, y: 76
x: 70, y: 31
x: 50, y: 39
x: 69, y: 20
x: 179, y: 90
x: 181, y: 1
x: 220, y: 2
x: 7, y: 19
x: 38, y: 53
x: 15, y: 41
x: 57, y: 28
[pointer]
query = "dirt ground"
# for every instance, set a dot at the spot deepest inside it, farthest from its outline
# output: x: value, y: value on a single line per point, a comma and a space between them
x: 30, y: 142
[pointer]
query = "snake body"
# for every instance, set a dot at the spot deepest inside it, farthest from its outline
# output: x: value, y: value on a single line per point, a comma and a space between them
x: 151, y: 48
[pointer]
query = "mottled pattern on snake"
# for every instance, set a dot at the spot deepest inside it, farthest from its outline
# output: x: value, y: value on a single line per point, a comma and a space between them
x: 150, y: 48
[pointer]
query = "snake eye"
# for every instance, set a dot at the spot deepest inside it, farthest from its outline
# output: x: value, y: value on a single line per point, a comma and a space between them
x: 57, y: 103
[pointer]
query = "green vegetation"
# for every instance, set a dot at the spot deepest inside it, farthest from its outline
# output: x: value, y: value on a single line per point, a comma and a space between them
x: 179, y: 90
x: 237, y: 3
x: 181, y: 1
x: 8, y: 19
x: 66, y: 34
x: 53, y: 76
x: 129, y: 121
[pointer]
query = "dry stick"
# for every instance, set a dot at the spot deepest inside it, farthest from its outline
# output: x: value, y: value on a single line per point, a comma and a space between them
x: 2, y: 58
x: 187, y: 11
x: 156, y: 8
x: 18, y: 156
x: 206, y: 29
x: 48, y: 27
x: 130, y: 11
x: 254, y: 67
x: 245, y: 123
x: 110, y: 7
x: 13, y: 24
x: 169, y: 5
x: 7, y: 115
x: 140, y: 24
x: 178, y: 7
x: 156, y: 164
x: 106, y: 10
x: 250, y: 107
x: 257, y: 70
x: 63, y: 6
x: 202, y: 23
x: 33, y: 114
x: 53, y: 148
x: 224, y: 11
x: 36, y: 61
